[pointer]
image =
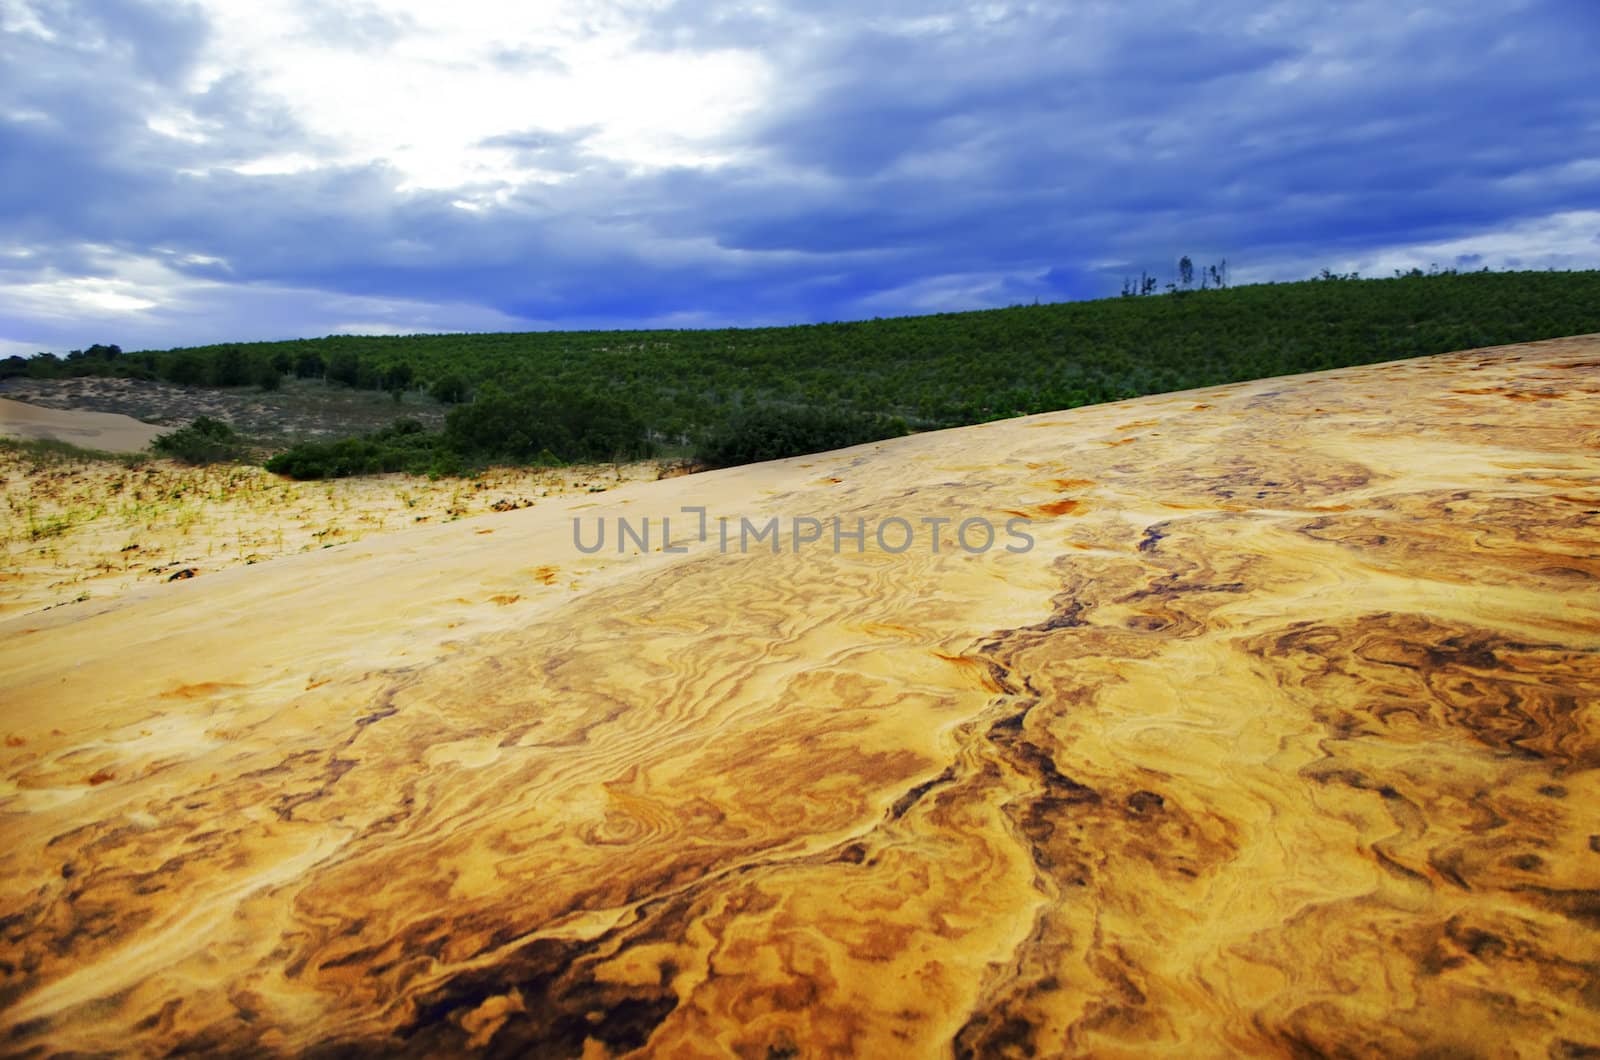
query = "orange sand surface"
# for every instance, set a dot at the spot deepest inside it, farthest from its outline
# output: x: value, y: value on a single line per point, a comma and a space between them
x: 1282, y: 739
x: 107, y: 431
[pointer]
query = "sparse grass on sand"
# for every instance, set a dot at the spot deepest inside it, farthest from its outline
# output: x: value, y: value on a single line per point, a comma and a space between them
x: 78, y: 524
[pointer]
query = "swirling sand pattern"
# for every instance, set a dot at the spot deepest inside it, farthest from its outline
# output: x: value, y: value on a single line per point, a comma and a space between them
x: 1282, y: 740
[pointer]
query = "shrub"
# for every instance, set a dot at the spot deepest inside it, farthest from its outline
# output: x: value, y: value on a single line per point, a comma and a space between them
x: 266, y: 375
x: 205, y: 441
x: 774, y: 432
x: 402, y: 446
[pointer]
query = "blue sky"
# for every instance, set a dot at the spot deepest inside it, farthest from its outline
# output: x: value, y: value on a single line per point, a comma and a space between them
x: 175, y: 173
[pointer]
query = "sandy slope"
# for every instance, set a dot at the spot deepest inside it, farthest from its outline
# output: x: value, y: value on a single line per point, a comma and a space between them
x: 107, y: 431
x: 78, y: 530
x: 1283, y: 738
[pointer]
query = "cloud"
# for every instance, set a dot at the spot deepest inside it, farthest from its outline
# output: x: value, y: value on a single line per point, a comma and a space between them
x: 217, y: 170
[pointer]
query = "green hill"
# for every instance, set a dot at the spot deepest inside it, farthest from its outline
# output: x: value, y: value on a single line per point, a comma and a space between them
x: 683, y: 388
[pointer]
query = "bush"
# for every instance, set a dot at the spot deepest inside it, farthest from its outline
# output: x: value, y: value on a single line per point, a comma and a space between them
x: 205, y: 441
x: 774, y: 432
x: 266, y: 374
x: 402, y: 446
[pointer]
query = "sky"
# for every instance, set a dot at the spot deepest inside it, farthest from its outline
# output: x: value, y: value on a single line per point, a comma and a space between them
x: 175, y: 173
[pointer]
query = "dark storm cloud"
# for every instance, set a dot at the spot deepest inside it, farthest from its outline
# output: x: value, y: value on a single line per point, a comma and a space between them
x: 911, y: 158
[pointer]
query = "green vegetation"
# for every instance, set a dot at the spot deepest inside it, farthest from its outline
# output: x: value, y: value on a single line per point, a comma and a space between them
x: 771, y: 433
x: 402, y: 446
x: 700, y: 390
x: 205, y: 441
x: 46, y: 452
x: 527, y: 426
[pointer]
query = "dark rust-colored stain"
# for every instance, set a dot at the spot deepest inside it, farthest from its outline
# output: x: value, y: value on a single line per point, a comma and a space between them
x: 909, y: 799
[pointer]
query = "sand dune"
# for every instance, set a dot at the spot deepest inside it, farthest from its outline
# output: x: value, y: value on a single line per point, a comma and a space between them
x: 1283, y: 738
x: 77, y: 530
x: 108, y: 431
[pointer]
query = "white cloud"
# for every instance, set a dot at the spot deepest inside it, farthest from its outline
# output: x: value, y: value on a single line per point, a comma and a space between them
x: 438, y: 85
x: 1564, y: 240
x: 142, y: 302
x: 17, y: 16
x: 66, y: 298
x: 370, y: 327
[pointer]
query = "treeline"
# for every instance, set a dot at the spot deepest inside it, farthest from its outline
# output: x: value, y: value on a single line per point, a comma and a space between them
x: 263, y: 365
x: 685, y: 389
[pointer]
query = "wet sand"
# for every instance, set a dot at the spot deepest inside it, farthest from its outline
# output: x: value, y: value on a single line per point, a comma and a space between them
x: 1282, y: 739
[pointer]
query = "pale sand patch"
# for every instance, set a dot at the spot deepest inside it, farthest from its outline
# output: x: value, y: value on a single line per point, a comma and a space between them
x: 80, y: 530
x: 107, y: 431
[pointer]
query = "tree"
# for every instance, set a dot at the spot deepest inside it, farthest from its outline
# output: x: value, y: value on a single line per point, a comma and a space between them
x: 185, y: 369
x: 397, y: 376
x: 230, y: 368
x: 449, y: 389
x: 309, y: 365
x: 1186, y: 272
x: 44, y: 366
x: 344, y: 367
